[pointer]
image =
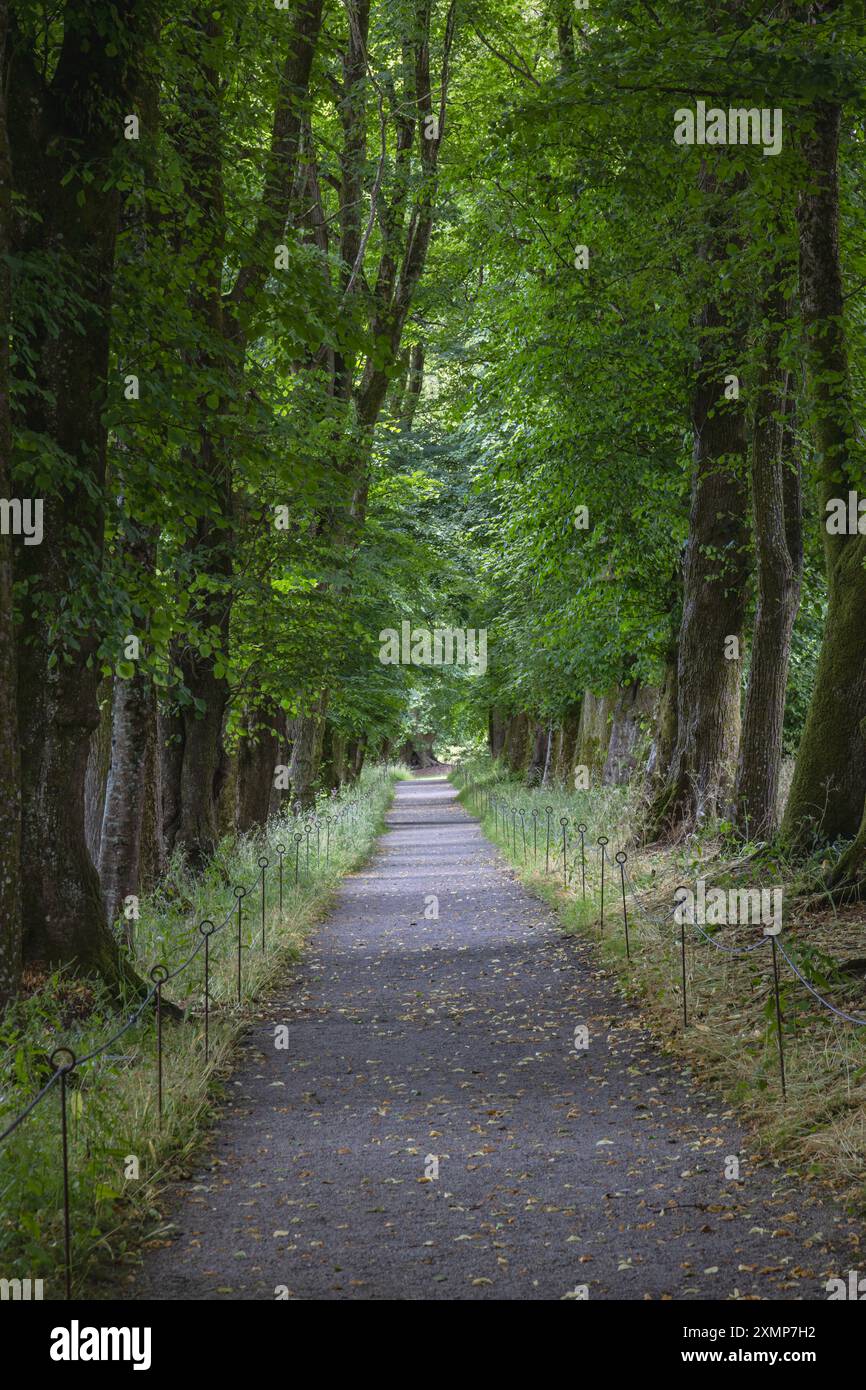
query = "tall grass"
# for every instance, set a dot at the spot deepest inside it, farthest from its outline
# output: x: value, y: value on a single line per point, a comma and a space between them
x: 119, y: 1149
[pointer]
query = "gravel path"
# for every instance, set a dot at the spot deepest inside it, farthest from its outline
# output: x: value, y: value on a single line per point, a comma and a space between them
x: 416, y: 1042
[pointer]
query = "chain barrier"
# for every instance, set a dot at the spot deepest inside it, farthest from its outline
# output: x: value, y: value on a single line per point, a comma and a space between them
x: 64, y: 1059
x: 620, y: 860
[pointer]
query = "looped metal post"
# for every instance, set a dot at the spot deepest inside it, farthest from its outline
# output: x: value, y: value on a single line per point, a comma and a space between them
x: 298, y: 837
x: 159, y: 975
x: 207, y: 929
x: 582, y: 828
x: 601, y: 842
x: 327, y: 840
x: 263, y: 864
x: 548, y: 812
x: 563, y: 820
x: 63, y: 1069
x: 240, y: 894
x: 281, y: 849
x: 534, y: 834
x: 682, y: 888
x: 621, y: 858
x: 522, y: 815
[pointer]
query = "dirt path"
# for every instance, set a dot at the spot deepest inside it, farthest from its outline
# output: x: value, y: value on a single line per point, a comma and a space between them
x: 411, y: 1036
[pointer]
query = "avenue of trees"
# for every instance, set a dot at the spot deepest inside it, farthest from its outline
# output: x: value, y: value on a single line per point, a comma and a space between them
x: 323, y: 315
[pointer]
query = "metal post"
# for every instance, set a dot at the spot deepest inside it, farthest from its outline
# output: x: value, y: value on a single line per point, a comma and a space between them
x: 263, y: 864
x: 563, y: 820
x: 602, y: 841
x: 65, y: 1069
x: 779, y: 1017
x: 620, y: 859
x: 549, y: 811
x: 581, y: 830
x: 298, y: 838
x: 281, y: 849
x: 207, y: 930
x: 240, y: 894
x: 159, y: 975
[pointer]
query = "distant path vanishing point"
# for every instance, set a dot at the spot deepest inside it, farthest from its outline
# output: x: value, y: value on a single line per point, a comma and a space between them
x: 417, y: 1041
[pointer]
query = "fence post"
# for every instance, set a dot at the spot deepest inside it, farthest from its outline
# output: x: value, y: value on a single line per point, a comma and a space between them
x: 602, y: 841
x: 263, y: 864
x: 563, y: 820
x: 534, y: 835
x: 549, y: 812
x: 64, y: 1070
x: 159, y: 975
x: 682, y: 910
x: 620, y: 859
x: 298, y: 838
x: 240, y: 894
x: 779, y: 1016
x: 581, y: 830
x: 207, y: 930
x: 281, y: 849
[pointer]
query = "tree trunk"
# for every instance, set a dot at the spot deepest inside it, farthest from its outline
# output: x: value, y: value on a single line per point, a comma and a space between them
x: 10, y: 769
x: 96, y: 776
x: 829, y: 786
x: 631, y: 715
x: 307, y: 735
x: 548, y: 757
x: 701, y: 778
x: 566, y: 743
x: 777, y: 509
x: 257, y: 758
x: 120, y: 841
x: 593, y: 734
x: 57, y: 124
x: 495, y: 732
x: 538, y: 755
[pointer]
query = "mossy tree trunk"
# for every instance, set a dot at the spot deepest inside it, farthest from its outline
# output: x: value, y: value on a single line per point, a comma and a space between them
x: 700, y: 780
x: 777, y: 510
x: 10, y: 769
x: 829, y: 785
x: 63, y: 121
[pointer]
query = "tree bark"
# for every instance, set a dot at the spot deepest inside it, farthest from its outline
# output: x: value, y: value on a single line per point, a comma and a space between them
x: 120, y: 840
x: 828, y: 790
x: 700, y: 781
x: 777, y: 510
x: 228, y: 322
x: 257, y: 758
x: 307, y: 735
x: 10, y: 768
x: 57, y: 124
x: 631, y: 714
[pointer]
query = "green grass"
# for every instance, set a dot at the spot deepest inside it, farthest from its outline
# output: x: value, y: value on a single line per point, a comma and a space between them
x: 731, y: 1040
x: 114, y: 1126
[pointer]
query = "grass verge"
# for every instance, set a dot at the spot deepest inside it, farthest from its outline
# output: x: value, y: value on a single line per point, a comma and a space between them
x: 731, y: 1040
x: 120, y: 1149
